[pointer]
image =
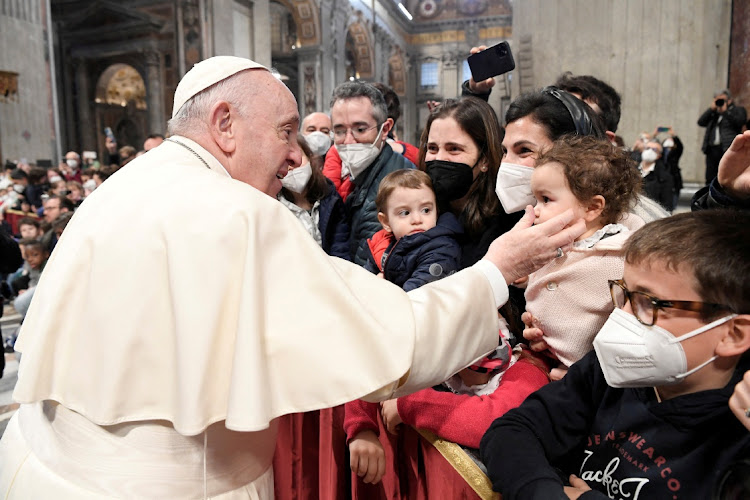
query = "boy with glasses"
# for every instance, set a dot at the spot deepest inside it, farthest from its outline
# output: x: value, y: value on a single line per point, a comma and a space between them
x: 646, y: 414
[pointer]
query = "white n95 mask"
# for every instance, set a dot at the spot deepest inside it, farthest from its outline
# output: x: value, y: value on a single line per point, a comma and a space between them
x: 319, y: 142
x: 649, y: 156
x: 357, y: 157
x: 296, y: 180
x: 513, y: 187
x: 632, y: 354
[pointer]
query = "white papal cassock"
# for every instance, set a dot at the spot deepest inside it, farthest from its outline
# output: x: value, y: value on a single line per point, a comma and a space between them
x: 183, y: 311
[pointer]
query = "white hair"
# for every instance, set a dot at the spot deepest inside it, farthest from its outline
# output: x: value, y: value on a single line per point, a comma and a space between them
x: 192, y: 118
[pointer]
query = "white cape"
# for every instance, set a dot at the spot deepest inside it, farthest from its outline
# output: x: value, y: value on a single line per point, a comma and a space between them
x: 156, y: 306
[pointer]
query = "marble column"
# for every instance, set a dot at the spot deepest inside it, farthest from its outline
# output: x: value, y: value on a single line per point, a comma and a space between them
x: 310, y: 93
x: 154, y: 93
x: 83, y: 103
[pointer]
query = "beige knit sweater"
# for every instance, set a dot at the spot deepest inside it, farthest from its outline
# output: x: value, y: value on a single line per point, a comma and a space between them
x: 569, y: 297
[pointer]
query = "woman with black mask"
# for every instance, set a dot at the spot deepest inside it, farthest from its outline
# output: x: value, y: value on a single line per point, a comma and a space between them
x: 461, y: 150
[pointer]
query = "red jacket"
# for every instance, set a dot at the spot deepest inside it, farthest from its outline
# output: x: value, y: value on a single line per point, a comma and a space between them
x: 462, y: 419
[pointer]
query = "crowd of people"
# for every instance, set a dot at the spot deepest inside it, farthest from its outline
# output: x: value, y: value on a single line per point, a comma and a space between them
x: 36, y: 204
x: 519, y: 291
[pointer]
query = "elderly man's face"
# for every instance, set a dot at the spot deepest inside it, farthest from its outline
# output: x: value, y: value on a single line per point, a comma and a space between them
x: 267, y: 137
x: 316, y: 122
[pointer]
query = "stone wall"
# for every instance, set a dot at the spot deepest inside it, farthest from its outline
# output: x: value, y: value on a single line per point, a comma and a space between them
x: 26, y: 129
x: 665, y: 57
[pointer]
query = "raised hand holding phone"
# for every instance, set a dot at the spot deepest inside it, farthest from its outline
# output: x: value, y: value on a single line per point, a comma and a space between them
x: 484, y: 86
x: 485, y: 63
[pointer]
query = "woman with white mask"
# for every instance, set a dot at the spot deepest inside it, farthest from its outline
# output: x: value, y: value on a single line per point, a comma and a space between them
x: 658, y: 183
x: 533, y: 122
x: 314, y: 201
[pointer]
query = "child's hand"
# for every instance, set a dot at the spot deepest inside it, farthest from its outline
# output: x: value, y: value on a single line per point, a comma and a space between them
x: 391, y: 418
x: 367, y: 457
x: 521, y: 281
x: 533, y: 333
x: 577, y: 487
x: 558, y: 373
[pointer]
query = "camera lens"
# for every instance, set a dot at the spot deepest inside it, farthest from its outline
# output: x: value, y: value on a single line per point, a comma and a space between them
x: 719, y: 102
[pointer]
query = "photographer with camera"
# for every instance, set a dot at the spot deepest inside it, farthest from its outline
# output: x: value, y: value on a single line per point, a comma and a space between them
x: 723, y: 121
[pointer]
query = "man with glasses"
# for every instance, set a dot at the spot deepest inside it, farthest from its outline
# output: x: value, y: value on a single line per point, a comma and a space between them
x: 646, y: 414
x: 360, y: 128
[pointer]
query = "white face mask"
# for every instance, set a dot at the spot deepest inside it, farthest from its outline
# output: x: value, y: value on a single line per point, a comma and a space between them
x: 357, y: 157
x: 296, y: 180
x: 319, y: 142
x: 649, y: 156
x: 73, y: 164
x: 513, y: 187
x: 55, y: 178
x: 19, y: 188
x: 668, y: 143
x: 632, y: 354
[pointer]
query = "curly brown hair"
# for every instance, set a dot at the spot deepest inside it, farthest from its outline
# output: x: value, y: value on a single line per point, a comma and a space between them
x: 595, y: 167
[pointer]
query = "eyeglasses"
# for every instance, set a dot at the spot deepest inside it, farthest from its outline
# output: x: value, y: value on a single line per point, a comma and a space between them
x: 358, y: 132
x: 646, y: 307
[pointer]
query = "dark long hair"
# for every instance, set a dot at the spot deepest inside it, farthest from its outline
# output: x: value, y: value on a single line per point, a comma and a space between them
x: 550, y: 113
x: 478, y: 120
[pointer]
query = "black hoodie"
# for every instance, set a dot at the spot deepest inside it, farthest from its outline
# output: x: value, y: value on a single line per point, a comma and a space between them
x: 622, y: 442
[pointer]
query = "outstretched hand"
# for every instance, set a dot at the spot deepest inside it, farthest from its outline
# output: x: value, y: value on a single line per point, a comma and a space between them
x: 528, y: 247
x: 734, y: 168
x: 484, y: 86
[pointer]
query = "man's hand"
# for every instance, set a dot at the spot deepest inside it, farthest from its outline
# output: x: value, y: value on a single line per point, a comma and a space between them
x: 577, y: 487
x: 526, y: 247
x: 734, y: 168
x: 482, y: 87
x: 367, y: 457
x: 391, y: 418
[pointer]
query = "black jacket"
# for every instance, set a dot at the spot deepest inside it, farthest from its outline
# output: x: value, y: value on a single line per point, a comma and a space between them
x: 417, y: 259
x: 659, y: 186
x: 729, y: 126
x: 333, y: 224
x: 614, y: 439
x: 672, y: 160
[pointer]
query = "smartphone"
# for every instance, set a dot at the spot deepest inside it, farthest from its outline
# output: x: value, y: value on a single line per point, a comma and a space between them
x: 662, y: 129
x: 109, y: 134
x: 493, y: 61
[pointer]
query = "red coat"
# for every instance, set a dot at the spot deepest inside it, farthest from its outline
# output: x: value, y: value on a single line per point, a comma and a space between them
x: 462, y: 419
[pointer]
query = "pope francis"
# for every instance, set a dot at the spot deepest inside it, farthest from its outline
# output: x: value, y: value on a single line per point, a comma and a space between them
x: 162, y: 343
